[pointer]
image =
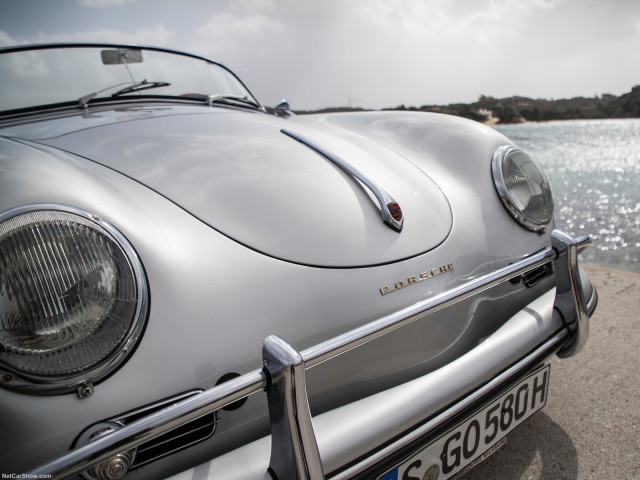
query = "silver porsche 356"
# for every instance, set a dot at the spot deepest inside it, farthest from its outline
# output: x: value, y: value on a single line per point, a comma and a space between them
x: 193, y: 286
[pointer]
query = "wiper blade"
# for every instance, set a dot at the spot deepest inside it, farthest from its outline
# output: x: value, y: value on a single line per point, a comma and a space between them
x: 137, y: 87
x: 133, y: 87
x: 227, y: 98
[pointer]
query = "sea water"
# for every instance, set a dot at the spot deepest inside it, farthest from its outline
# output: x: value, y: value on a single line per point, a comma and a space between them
x: 594, y: 170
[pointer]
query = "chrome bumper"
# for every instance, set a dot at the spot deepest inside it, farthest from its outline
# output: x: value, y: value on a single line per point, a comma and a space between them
x: 294, y: 448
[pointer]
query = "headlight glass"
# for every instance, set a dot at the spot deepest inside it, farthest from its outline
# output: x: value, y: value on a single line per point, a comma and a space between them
x: 523, y: 188
x: 72, y: 297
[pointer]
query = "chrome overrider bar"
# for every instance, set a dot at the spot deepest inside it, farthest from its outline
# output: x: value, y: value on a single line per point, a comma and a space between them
x: 571, y: 301
x: 294, y: 453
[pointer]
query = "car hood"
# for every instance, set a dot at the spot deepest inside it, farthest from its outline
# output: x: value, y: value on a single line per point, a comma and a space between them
x: 240, y: 174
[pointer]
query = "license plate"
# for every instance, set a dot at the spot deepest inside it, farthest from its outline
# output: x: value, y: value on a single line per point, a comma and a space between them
x: 477, y: 437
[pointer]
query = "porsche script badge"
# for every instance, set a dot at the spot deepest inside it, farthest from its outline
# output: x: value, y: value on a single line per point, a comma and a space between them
x: 399, y: 285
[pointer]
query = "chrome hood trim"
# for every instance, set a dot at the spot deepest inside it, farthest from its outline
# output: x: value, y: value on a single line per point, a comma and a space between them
x: 389, y: 209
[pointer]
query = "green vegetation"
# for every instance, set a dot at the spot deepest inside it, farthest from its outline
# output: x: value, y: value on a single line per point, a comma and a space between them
x: 521, y: 109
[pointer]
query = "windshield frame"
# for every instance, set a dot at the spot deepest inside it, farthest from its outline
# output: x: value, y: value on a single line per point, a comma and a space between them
x: 104, y: 100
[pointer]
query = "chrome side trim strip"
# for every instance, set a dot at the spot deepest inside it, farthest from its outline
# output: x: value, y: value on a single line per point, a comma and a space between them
x: 389, y: 208
x: 359, y: 336
x: 298, y: 434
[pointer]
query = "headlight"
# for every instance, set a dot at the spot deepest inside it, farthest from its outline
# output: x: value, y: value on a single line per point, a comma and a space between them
x: 73, y: 298
x: 523, y: 188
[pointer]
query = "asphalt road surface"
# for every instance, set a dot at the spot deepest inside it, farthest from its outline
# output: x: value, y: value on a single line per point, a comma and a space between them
x: 590, y: 427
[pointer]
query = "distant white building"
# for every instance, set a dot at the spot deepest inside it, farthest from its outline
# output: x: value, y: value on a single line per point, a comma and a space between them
x: 486, y: 116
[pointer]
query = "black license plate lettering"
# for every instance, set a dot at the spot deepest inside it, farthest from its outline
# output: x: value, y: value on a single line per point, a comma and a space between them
x: 479, y: 436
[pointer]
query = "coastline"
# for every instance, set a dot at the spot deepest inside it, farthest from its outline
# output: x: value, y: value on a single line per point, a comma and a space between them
x: 497, y: 121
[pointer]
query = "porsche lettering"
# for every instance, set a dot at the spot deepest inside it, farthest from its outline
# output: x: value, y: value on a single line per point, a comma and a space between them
x: 426, y: 275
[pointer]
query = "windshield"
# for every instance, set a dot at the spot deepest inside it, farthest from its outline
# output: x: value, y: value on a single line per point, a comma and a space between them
x: 36, y: 76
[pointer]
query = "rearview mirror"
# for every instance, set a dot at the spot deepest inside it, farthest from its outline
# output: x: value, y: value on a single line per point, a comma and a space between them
x: 121, y: 55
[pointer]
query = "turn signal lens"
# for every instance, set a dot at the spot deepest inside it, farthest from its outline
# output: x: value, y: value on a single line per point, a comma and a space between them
x: 523, y: 188
x: 72, y: 297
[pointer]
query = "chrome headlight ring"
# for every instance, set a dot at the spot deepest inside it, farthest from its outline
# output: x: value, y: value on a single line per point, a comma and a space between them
x: 73, y: 298
x: 523, y: 188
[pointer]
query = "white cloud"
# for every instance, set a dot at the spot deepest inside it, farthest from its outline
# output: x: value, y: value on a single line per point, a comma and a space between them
x: 6, y: 40
x: 158, y: 36
x: 229, y: 34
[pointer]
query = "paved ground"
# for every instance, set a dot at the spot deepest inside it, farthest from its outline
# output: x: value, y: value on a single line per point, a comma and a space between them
x: 590, y: 428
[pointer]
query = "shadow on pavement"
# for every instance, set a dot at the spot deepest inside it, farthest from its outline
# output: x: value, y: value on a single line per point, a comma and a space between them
x: 538, y: 449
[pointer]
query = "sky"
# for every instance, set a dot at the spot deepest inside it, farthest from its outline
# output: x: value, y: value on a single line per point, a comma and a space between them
x: 368, y: 53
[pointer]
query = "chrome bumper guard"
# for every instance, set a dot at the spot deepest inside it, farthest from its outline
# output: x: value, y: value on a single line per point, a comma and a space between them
x: 294, y: 450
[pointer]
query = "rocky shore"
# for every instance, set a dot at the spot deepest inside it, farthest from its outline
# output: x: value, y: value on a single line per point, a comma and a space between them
x: 518, y: 109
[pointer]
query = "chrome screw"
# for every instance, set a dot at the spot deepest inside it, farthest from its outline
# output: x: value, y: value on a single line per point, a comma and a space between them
x: 85, y: 390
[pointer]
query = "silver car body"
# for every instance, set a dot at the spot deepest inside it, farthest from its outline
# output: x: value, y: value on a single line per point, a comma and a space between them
x: 245, y: 232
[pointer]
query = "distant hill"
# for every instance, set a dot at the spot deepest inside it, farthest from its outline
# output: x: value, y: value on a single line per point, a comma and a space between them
x: 521, y: 109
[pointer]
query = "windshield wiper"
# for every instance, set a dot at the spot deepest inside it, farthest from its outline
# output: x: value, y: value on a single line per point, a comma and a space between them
x: 137, y: 87
x: 133, y: 87
x: 231, y: 99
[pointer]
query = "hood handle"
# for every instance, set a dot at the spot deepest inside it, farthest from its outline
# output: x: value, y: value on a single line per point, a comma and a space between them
x: 389, y: 209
